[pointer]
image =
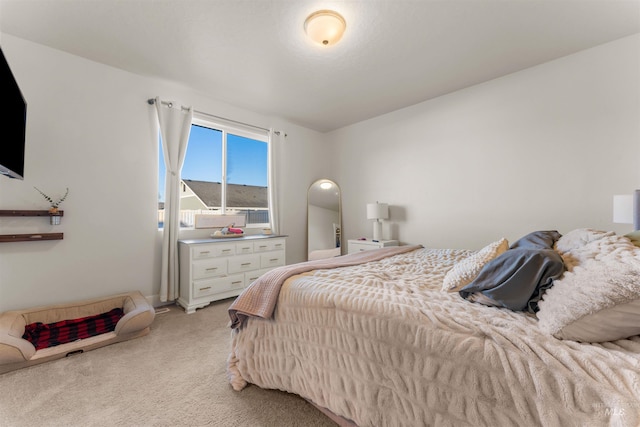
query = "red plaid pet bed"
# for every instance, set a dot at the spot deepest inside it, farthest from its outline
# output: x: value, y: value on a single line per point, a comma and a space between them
x: 52, y: 334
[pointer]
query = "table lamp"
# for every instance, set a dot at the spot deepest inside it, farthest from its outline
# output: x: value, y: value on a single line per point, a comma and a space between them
x: 377, y: 211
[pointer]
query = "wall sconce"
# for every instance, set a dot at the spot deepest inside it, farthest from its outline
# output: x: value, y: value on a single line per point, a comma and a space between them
x: 377, y: 211
x: 626, y: 209
x: 325, y: 27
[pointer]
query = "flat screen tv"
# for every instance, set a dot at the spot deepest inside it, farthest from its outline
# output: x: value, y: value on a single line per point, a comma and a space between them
x: 12, y: 123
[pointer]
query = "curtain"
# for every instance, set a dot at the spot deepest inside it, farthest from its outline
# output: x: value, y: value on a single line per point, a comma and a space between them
x: 175, y: 125
x: 276, y: 139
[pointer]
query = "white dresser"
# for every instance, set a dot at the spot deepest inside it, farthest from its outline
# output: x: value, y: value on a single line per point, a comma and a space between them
x: 214, y: 269
x: 367, y: 245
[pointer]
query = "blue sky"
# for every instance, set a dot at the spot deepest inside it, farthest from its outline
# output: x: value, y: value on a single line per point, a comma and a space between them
x: 246, y: 164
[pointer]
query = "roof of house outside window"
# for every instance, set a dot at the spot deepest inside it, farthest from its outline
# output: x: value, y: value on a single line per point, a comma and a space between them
x: 238, y: 196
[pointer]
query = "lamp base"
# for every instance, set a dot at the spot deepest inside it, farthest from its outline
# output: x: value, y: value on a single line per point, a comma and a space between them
x: 377, y: 230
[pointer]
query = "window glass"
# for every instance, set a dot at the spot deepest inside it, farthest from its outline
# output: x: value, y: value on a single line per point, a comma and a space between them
x: 247, y: 192
x: 225, y: 171
x: 246, y: 161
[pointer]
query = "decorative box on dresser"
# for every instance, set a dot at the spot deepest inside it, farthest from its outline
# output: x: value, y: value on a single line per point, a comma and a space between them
x: 214, y: 269
x: 367, y: 245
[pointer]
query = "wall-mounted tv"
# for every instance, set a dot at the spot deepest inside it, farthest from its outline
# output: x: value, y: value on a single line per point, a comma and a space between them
x: 13, y: 123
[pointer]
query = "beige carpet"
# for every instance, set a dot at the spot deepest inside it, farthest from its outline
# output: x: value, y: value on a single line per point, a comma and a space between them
x: 175, y: 376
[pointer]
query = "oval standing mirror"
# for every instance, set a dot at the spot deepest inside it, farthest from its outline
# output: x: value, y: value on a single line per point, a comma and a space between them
x: 324, y: 216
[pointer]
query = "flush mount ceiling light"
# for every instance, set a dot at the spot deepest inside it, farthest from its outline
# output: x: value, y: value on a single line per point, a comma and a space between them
x: 325, y: 27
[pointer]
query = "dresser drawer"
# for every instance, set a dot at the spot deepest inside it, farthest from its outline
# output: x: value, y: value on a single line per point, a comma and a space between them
x: 244, y: 263
x: 203, y: 288
x: 208, y: 268
x: 272, y: 259
x: 244, y: 248
x: 368, y: 245
x: 359, y: 247
x: 268, y: 245
x: 212, y: 251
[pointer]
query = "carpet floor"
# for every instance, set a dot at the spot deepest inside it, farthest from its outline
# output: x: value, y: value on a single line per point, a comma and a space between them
x: 174, y: 376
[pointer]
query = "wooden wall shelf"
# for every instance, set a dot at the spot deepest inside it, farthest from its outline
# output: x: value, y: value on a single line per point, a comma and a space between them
x: 27, y: 213
x: 30, y: 237
x: 34, y: 237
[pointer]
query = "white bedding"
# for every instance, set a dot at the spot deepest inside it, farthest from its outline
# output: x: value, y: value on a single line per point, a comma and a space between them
x: 382, y: 345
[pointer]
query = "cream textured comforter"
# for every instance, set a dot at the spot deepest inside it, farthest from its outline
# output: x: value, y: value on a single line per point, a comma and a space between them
x: 380, y: 344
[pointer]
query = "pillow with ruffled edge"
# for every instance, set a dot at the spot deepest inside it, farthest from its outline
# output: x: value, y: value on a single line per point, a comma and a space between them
x: 464, y: 271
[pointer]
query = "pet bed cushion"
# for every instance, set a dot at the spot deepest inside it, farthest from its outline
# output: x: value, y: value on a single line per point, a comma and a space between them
x: 17, y: 352
x: 43, y: 335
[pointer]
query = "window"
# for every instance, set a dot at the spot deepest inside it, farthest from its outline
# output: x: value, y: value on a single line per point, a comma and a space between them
x: 225, y: 171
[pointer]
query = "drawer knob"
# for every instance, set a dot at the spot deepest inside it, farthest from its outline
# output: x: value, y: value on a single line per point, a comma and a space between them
x: 212, y: 269
x: 204, y: 289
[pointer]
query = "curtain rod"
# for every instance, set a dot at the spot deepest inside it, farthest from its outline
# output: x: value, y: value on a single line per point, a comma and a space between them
x: 152, y: 101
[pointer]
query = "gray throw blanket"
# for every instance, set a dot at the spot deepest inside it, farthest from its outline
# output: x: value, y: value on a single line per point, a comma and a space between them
x: 518, y: 278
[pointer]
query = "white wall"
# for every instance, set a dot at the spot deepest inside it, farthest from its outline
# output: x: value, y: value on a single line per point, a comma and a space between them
x: 90, y: 128
x: 544, y: 148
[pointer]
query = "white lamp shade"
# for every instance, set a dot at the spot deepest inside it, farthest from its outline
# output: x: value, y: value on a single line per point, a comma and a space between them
x: 623, y: 209
x: 377, y: 211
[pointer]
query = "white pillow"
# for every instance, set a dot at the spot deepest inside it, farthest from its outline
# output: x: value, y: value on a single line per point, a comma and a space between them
x: 580, y: 237
x: 634, y: 237
x: 465, y: 271
x: 584, y: 245
x: 599, y: 299
x: 615, y: 323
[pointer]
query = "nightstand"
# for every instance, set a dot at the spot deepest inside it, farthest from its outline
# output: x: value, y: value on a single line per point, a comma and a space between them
x: 367, y: 245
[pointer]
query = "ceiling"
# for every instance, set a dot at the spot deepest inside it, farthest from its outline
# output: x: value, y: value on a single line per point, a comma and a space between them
x: 254, y: 53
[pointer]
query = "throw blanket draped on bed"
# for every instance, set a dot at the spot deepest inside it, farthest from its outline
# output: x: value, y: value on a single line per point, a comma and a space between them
x: 259, y: 299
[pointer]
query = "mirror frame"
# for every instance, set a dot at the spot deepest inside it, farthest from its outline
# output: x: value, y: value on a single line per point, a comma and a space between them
x: 339, y: 234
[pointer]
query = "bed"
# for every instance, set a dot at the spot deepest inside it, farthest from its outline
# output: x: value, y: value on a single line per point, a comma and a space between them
x: 414, y: 336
